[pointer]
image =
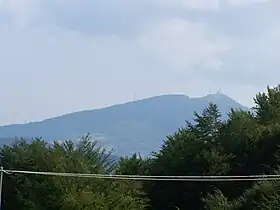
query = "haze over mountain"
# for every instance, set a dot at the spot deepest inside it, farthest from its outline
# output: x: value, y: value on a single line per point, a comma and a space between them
x: 138, y: 126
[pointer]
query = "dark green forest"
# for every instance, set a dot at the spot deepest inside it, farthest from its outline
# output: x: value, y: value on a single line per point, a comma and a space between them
x: 246, y: 143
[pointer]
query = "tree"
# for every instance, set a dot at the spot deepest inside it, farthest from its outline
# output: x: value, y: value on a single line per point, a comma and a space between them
x: 254, y: 137
x: 267, y: 106
x: 50, y: 192
x: 193, y: 150
x: 263, y: 195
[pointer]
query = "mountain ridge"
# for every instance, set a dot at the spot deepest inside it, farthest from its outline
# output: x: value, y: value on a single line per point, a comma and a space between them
x: 125, y: 103
x: 135, y: 126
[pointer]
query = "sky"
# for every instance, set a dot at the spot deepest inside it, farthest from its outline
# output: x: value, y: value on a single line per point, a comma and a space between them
x: 61, y: 56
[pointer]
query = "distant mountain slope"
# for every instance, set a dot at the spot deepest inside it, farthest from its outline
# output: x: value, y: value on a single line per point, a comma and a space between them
x: 138, y: 126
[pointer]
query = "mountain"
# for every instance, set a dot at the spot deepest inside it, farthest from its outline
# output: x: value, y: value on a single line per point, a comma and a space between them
x: 138, y: 126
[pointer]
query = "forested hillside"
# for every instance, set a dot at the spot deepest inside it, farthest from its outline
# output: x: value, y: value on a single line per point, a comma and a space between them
x: 244, y: 144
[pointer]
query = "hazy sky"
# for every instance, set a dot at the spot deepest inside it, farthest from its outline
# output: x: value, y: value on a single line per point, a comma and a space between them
x: 59, y: 56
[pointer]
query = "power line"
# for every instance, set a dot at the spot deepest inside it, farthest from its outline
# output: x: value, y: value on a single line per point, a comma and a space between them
x: 153, y: 178
x: 143, y: 177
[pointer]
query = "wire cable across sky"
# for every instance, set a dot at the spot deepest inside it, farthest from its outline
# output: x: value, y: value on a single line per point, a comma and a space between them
x: 152, y: 178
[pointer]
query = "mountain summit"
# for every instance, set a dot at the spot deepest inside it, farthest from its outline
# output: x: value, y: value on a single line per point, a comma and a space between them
x: 138, y: 126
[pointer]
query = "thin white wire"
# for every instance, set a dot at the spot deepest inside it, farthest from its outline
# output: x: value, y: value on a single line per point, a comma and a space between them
x: 143, y: 176
x: 154, y: 178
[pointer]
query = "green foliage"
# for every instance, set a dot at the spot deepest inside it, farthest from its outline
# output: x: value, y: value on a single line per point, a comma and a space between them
x: 263, y: 195
x: 217, y: 201
x: 50, y: 192
x: 135, y: 164
x: 268, y: 105
x: 193, y: 150
x: 255, y: 141
x: 208, y: 124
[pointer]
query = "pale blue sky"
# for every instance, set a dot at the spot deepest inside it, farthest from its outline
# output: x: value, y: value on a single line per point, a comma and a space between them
x: 60, y: 56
